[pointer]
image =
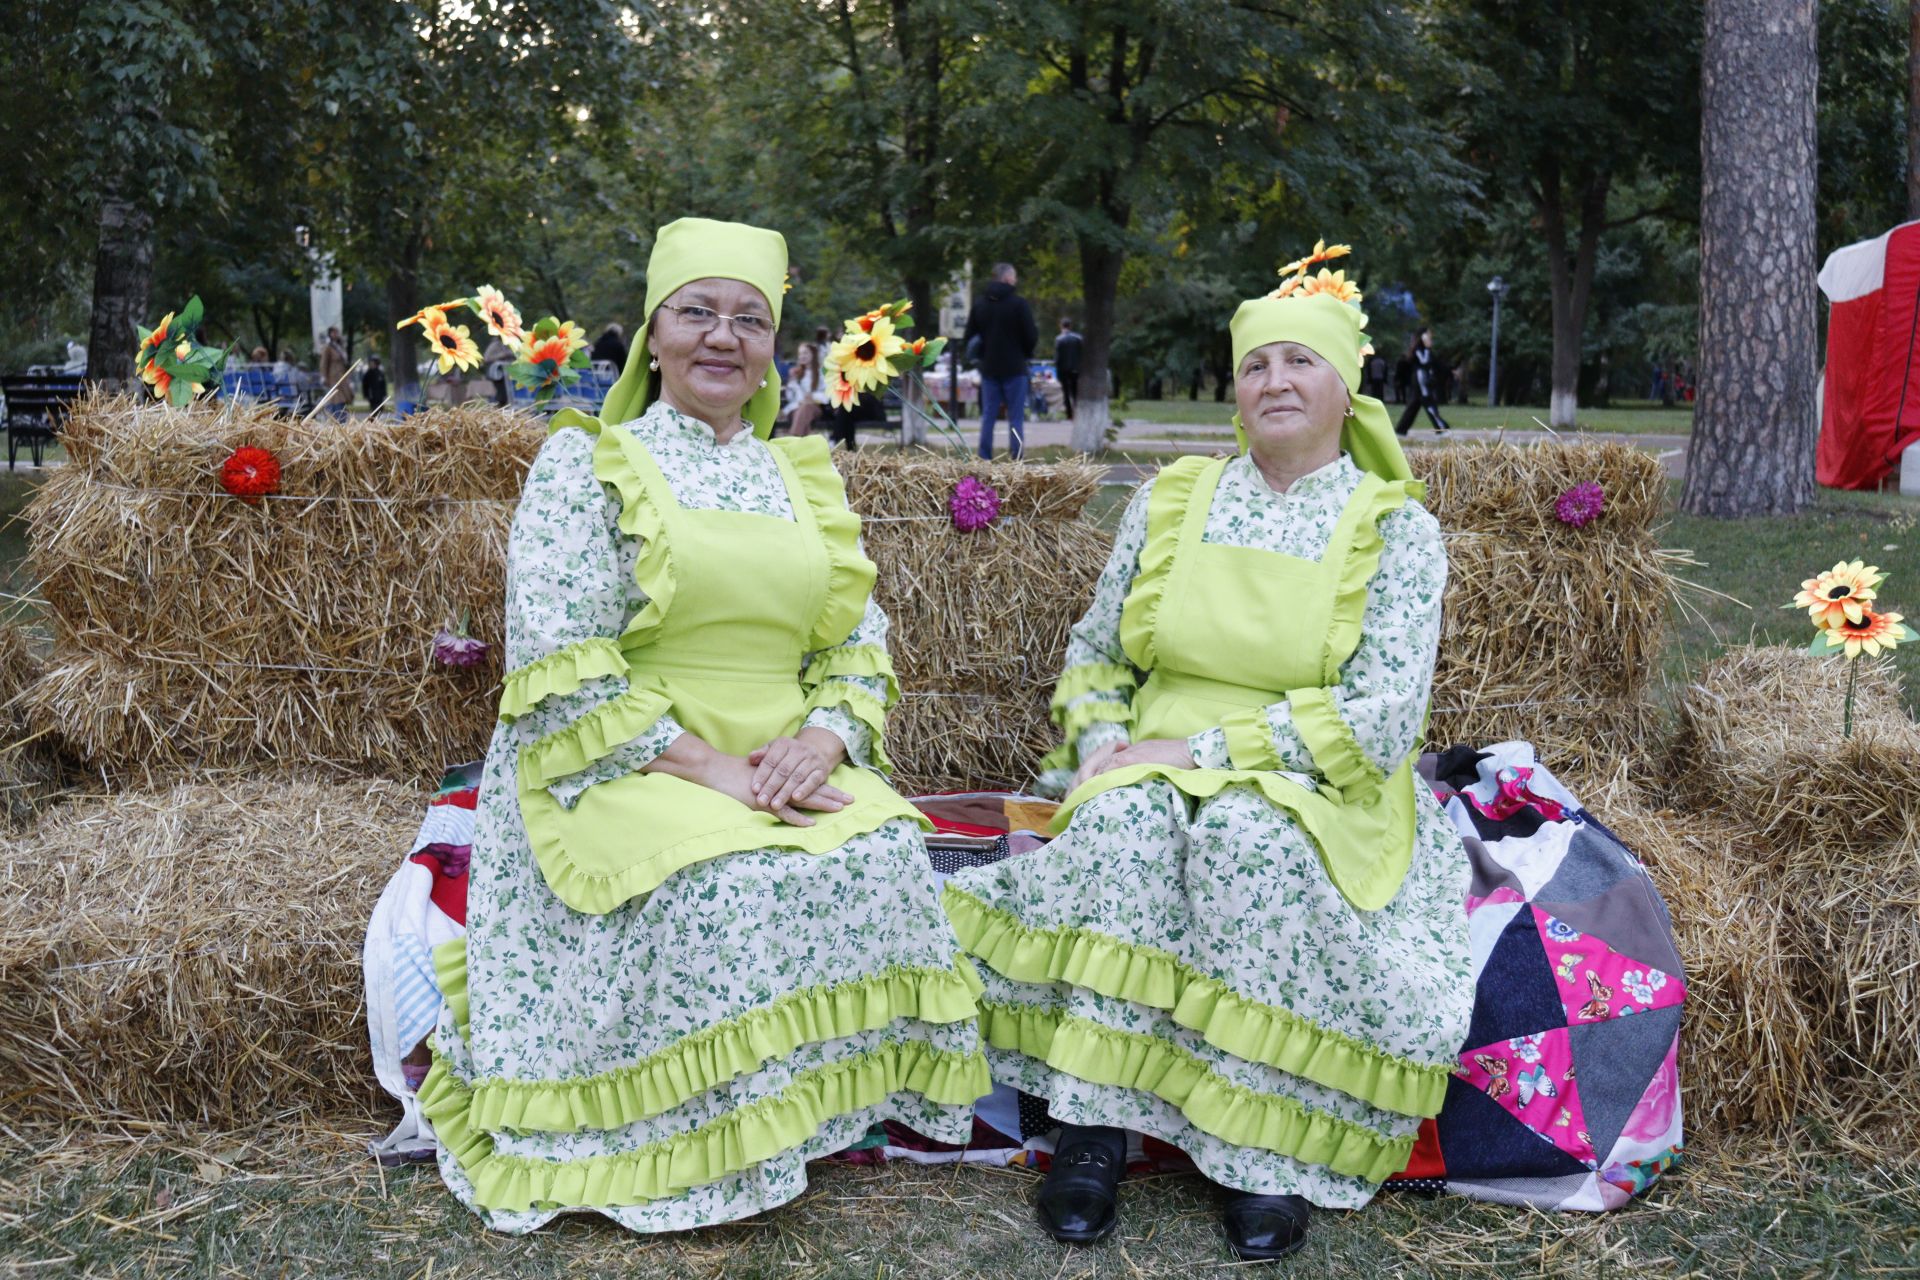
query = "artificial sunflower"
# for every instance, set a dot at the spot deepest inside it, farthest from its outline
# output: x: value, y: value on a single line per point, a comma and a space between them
x: 863, y: 359
x: 1840, y: 595
x: 1322, y: 252
x: 1330, y: 282
x: 503, y: 319
x: 1872, y: 632
x: 451, y: 343
x: 151, y: 343
x: 840, y: 393
x: 435, y: 314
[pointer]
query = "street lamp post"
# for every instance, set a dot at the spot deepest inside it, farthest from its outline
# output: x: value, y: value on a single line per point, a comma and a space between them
x: 1498, y: 288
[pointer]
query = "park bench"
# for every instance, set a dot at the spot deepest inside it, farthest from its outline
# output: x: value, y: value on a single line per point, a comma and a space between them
x: 36, y: 405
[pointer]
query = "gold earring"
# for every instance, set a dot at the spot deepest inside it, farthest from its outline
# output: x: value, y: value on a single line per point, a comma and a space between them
x: 1350, y: 412
x: 654, y: 363
x: 763, y: 384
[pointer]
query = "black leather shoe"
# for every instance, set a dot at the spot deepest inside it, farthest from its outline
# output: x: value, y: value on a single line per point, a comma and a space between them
x: 1079, y: 1201
x: 1264, y: 1227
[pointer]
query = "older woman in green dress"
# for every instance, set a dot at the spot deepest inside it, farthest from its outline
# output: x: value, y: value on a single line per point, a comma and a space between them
x: 1249, y: 938
x: 702, y: 939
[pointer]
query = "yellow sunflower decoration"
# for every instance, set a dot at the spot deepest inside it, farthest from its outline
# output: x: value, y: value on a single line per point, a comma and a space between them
x: 1841, y: 594
x: 863, y: 358
x: 451, y: 343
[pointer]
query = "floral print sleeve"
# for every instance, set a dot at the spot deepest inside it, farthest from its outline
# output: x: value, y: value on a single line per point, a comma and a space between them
x: 1383, y: 689
x: 1093, y: 700
x: 570, y: 596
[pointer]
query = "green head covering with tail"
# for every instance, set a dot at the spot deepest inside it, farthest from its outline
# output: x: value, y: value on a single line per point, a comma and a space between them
x: 1331, y: 329
x: 686, y: 250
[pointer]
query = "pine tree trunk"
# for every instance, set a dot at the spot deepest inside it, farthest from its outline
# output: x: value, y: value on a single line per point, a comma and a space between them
x: 1100, y: 284
x: 1754, y: 426
x: 122, y: 281
x: 1913, y: 109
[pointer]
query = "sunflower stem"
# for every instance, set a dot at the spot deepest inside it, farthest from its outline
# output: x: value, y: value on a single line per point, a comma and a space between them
x: 1846, y: 719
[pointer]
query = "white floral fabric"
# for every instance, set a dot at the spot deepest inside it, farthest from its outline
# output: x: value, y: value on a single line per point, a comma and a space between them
x: 1234, y: 890
x: 556, y: 995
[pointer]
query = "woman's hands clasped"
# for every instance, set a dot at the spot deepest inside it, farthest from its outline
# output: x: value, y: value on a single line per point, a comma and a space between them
x: 783, y: 778
x: 1171, y: 752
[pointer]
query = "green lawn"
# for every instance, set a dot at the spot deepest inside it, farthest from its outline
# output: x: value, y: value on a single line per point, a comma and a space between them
x: 1624, y: 417
x: 1758, y: 565
x: 315, y: 1206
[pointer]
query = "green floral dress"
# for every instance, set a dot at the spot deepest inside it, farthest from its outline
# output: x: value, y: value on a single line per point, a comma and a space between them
x: 675, y: 1060
x: 1181, y: 964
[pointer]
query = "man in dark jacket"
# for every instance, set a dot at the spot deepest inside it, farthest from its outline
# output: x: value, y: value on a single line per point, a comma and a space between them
x: 1004, y: 324
x: 1066, y: 364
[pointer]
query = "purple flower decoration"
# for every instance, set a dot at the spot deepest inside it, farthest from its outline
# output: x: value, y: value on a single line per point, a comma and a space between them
x: 1580, y: 505
x: 455, y: 648
x: 974, y: 505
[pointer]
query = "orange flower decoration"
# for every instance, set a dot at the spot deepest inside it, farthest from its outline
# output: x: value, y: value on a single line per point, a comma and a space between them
x: 1871, y: 632
x: 1840, y: 595
x: 840, y: 393
x: 503, y: 319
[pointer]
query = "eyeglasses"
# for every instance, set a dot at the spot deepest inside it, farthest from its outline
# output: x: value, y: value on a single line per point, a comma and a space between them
x: 706, y: 319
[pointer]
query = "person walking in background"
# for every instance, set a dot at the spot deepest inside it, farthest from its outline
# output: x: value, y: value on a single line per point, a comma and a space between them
x: 332, y: 355
x: 373, y: 384
x: 610, y: 346
x: 1066, y: 364
x: 1424, y: 392
x: 1377, y: 376
x: 1004, y: 324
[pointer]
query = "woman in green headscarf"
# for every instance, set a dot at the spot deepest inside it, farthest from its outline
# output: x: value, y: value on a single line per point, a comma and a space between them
x: 702, y: 939
x: 1249, y: 939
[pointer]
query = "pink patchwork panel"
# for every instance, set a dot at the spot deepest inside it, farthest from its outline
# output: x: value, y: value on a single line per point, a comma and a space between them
x: 1532, y: 1078
x: 1505, y: 893
x: 1596, y: 982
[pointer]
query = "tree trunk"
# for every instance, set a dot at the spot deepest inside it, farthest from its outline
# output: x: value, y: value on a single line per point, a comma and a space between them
x: 403, y: 300
x: 1572, y: 282
x: 1913, y: 109
x: 1754, y: 426
x: 1100, y: 286
x: 122, y: 281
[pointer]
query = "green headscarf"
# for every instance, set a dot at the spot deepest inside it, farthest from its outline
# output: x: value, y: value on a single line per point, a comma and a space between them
x: 1331, y: 329
x: 686, y: 250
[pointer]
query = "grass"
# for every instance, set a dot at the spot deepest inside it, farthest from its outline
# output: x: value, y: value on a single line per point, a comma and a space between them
x: 1623, y: 417
x: 311, y: 1204
x: 1758, y: 565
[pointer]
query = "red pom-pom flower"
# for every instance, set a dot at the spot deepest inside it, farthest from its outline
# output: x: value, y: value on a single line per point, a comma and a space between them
x: 250, y: 472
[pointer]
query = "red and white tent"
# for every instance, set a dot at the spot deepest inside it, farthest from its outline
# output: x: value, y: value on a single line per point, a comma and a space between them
x: 1871, y: 408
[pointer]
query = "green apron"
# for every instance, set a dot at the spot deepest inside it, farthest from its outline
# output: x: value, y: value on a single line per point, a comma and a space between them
x: 1223, y: 631
x: 721, y: 645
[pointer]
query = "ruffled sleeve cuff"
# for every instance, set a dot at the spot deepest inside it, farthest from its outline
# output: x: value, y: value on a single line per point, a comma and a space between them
x: 592, y: 737
x: 1209, y: 749
x: 561, y: 672
x: 1329, y: 739
x: 849, y: 690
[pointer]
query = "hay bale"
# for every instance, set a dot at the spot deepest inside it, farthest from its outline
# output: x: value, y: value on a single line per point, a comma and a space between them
x: 979, y: 620
x: 192, y: 955
x: 1760, y: 736
x: 1549, y: 633
x: 298, y: 629
x: 35, y: 767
